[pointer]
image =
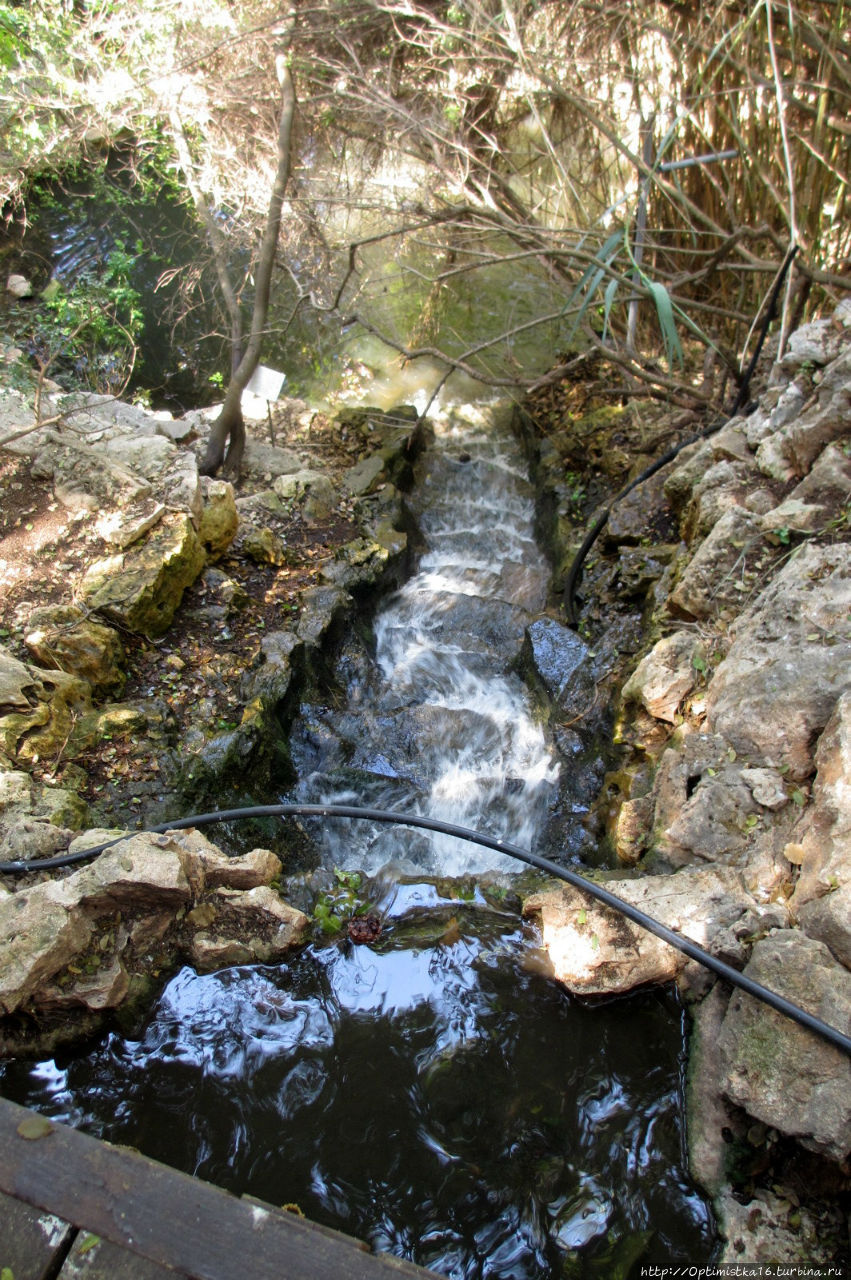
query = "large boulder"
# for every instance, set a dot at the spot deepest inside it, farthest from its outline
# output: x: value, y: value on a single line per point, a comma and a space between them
x: 558, y: 658
x: 821, y: 843
x: 82, y: 943
x: 219, y: 518
x: 84, y: 478
x: 664, y: 676
x: 789, y: 663
x: 309, y: 490
x: 791, y: 451
x: 779, y: 1072
x: 62, y: 637
x: 38, y: 710
x: 715, y: 576
x: 595, y: 950
x: 708, y: 805
x: 142, y: 588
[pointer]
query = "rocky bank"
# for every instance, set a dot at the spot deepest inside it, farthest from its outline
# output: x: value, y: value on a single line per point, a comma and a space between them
x: 156, y: 562
x: 724, y: 585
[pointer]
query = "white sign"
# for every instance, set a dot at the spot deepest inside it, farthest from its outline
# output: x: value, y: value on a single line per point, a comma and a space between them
x: 265, y: 383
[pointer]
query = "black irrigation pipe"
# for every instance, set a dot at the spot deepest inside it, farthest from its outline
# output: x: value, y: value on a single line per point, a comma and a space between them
x: 575, y: 573
x: 685, y: 945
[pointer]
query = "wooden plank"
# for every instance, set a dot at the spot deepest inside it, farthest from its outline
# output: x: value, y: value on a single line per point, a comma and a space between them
x: 93, y: 1258
x: 169, y: 1217
x: 32, y: 1242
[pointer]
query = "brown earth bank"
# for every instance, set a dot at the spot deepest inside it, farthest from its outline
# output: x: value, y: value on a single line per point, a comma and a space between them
x: 158, y: 631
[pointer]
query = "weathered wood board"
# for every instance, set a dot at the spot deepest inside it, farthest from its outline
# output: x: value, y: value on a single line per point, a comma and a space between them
x: 167, y: 1217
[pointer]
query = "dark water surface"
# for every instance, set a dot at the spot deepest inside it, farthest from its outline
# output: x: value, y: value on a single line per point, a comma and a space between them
x: 435, y: 1093
x: 446, y: 1101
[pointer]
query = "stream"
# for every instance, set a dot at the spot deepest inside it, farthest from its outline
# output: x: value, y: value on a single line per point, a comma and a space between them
x: 434, y: 1091
x: 434, y: 722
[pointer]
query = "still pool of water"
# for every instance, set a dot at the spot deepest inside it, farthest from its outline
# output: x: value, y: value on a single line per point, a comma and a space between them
x: 444, y: 1100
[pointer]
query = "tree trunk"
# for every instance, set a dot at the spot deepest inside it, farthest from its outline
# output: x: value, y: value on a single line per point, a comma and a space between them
x: 229, y: 429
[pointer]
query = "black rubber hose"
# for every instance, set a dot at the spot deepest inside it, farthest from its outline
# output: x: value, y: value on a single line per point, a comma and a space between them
x: 685, y: 945
x: 590, y: 538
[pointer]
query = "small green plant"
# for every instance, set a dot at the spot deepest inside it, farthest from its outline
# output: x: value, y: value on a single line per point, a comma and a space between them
x: 334, y: 908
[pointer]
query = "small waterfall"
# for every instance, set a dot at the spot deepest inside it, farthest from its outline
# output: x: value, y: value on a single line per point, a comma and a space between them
x: 436, y: 722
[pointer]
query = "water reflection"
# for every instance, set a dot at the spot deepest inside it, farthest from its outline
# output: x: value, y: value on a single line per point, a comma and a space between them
x: 447, y: 1103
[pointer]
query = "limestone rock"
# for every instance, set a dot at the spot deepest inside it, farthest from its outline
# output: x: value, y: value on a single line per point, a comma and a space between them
x: 363, y: 476
x: 122, y: 527
x: 180, y: 485
x: 828, y: 920
x: 792, y: 450
x: 321, y: 609
x: 629, y: 518
x: 312, y: 491
x: 815, y: 343
x: 104, y: 988
x: 208, y: 868
x: 16, y: 682
x: 766, y: 787
x: 692, y: 463
x: 77, y: 943
x: 709, y: 581
x: 41, y: 938
x: 595, y: 950
x: 779, y: 1072
x: 664, y: 676
x: 759, y: 1232
x: 178, y: 430
x: 789, y: 663
x: 26, y: 838
x: 706, y: 1112
x: 256, y: 927
x: 812, y: 502
x: 721, y: 487
x: 219, y: 518
x: 19, y: 286
x: 822, y: 839
x: 146, y: 455
x: 362, y: 561
x: 142, y: 873
x: 272, y: 679
x: 85, y: 478
x: 693, y: 773
x: 143, y: 588
x: 43, y: 731
x: 731, y: 443
x: 632, y: 828
x: 16, y: 790
x: 266, y: 461
x: 62, y: 637
x: 263, y: 546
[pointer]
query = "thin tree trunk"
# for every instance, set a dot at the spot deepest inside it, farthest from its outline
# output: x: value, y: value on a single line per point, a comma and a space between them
x: 229, y: 428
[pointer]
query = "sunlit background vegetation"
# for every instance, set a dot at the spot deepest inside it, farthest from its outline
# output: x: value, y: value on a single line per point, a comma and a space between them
x: 498, y: 185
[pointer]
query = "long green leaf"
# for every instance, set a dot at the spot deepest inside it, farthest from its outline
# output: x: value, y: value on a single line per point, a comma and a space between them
x: 608, y: 302
x: 591, y: 279
x: 665, y: 312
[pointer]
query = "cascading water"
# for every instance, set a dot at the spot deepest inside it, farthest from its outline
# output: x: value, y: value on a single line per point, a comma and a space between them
x: 438, y: 724
x: 435, y: 1092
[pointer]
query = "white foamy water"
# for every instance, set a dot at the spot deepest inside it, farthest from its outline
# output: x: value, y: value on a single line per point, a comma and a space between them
x: 446, y: 729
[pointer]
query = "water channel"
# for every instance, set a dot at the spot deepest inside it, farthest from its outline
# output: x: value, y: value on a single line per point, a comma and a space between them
x: 434, y: 1091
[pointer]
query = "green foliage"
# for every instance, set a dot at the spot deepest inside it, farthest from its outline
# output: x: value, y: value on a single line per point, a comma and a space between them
x: 94, y: 327
x: 12, y: 31
x: 334, y: 908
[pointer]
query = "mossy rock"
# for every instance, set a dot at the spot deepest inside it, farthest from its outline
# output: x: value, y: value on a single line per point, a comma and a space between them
x: 142, y: 588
